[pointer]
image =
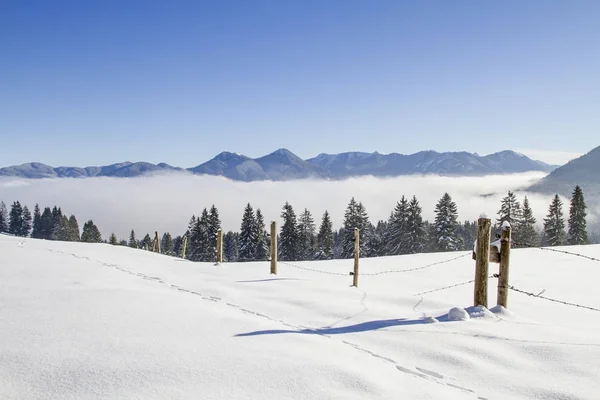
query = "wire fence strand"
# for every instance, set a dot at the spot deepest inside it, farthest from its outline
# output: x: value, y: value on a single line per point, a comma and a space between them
x: 530, y: 246
x: 373, y: 273
x: 540, y: 296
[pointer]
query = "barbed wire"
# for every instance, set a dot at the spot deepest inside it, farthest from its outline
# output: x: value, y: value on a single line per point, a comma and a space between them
x: 530, y: 246
x: 539, y: 296
x: 312, y: 269
x: 374, y: 273
x: 414, y: 269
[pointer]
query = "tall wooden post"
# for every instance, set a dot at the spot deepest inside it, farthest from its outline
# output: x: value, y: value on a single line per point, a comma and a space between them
x: 157, y: 241
x: 219, y: 246
x: 183, y: 247
x: 274, y: 247
x: 356, y: 256
x: 504, y: 265
x: 482, y: 261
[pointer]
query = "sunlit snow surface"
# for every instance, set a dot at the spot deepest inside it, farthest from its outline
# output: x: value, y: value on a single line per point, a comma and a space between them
x: 94, y: 321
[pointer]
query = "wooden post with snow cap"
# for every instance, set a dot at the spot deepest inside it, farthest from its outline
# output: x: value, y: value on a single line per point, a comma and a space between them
x: 183, y: 247
x: 274, y: 248
x: 157, y: 245
x: 219, y: 246
x: 356, y: 256
x: 504, y: 264
x: 482, y: 260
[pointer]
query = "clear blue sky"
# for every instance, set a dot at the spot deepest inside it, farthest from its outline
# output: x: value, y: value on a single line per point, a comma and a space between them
x: 97, y: 82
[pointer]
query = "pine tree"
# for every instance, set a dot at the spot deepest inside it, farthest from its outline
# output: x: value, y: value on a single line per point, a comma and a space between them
x: 113, y: 239
x: 26, y: 224
x: 510, y: 211
x: 262, y: 245
x: 146, y: 242
x: 90, y: 233
x: 325, y: 239
x: 15, y: 226
x: 212, y: 230
x: 73, y: 229
x: 230, y: 246
x: 46, y: 224
x: 247, y: 241
x: 56, y: 220
x: 415, y: 234
x: 398, y: 229
x: 554, y: 224
x: 63, y: 233
x: 37, y: 216
x: 338, y: 243
x: 577, y: 224
x: 3, y: 218
x: 306, y: 236
x: 468, y: 233
x: 355, y: 217
x: 123, y: 243
x: 177, y: 246
x: 200, y: 246
x: 375, y: 245
x: 446, y: 225
x: 288, y: 242
x: 132, y: 240
x: 166, y: 244
x: 528, y: 235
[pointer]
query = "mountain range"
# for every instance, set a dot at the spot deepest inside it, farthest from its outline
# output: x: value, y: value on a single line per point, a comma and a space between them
x: 283, y: 165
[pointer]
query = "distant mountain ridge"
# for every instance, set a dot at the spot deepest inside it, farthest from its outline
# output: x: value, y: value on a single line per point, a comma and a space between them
x: 582, y: 171
x: 283, y: 165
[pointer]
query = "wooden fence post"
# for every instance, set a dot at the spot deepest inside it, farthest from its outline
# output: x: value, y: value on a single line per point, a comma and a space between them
x: 219, y: 246
x: 274, y: 247
x: 157, y: 242
x: 482, y: 261
x: 183, y: 247
x: 356, y: 256
x: 504, y: 265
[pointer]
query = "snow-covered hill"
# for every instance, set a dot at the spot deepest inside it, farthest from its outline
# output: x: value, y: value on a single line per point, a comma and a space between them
x: 91, y: 321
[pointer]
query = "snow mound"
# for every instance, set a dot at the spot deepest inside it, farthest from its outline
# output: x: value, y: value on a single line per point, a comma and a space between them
x: 458, y: 314
x: 484, y: 215
x: 500, y: 310
x: 430, y: 320
x: 505, y: 225
x: 479, y: 312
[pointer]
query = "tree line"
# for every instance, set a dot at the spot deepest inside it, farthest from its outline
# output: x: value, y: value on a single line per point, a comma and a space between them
x: 403, y: 232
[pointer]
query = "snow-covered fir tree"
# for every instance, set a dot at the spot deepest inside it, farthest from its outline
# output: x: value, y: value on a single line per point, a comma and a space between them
x: 212, y: 230
x: 37, y: 216
x: 528, y: 235
x: 415, y: 234
x: 230, y: 246
x: 262, y: 243
x: 132, y: 240
x: 554, y: 224
x: 446, y: 225
x: 26, y: 225
x: 3, y: 217
x: 112, y: 239
x: 355, y: 217
x: 145, y: 243
x: 398, y: 229
x: 247, y: 239
x: 288, y: 237
x: 166, y: 244
x: 325, y: 238
x: 91, y: 233
x: 73, y: 229
x: 375, y: 245
x: 177, y: 245
x: 468, y: 233
x: 577, y: 213
x: 306, y: 236
x: 510, y: 211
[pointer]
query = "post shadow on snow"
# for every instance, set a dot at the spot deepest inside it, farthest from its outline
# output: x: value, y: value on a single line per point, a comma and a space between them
x: 362, y: 327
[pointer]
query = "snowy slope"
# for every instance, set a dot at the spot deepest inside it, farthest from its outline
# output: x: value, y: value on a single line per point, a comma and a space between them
x: 89, y: 321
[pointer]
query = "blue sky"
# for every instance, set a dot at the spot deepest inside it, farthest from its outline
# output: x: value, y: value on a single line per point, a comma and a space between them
x: 97, y: 82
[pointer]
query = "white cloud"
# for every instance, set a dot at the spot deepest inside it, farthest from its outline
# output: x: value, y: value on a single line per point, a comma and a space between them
x: 166, y: 202
x: 550, y: 156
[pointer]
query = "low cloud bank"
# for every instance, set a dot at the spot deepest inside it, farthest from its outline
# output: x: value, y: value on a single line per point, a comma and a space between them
x: 165, y: 202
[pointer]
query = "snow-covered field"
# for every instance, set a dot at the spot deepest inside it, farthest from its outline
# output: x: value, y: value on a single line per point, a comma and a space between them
x: 93, y: 321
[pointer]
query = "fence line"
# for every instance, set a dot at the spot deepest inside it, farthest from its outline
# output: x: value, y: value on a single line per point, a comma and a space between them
x: 374, y: 273
x: 546, y: 248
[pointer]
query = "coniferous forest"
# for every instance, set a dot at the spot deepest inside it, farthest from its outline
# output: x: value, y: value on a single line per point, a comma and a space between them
x: 299, y: 238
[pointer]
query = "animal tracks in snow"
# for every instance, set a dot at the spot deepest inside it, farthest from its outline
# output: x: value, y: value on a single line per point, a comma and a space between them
x: 418, y: 372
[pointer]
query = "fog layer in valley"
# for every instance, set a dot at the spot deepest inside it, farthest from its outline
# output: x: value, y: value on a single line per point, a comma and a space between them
x: 166, y: 202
